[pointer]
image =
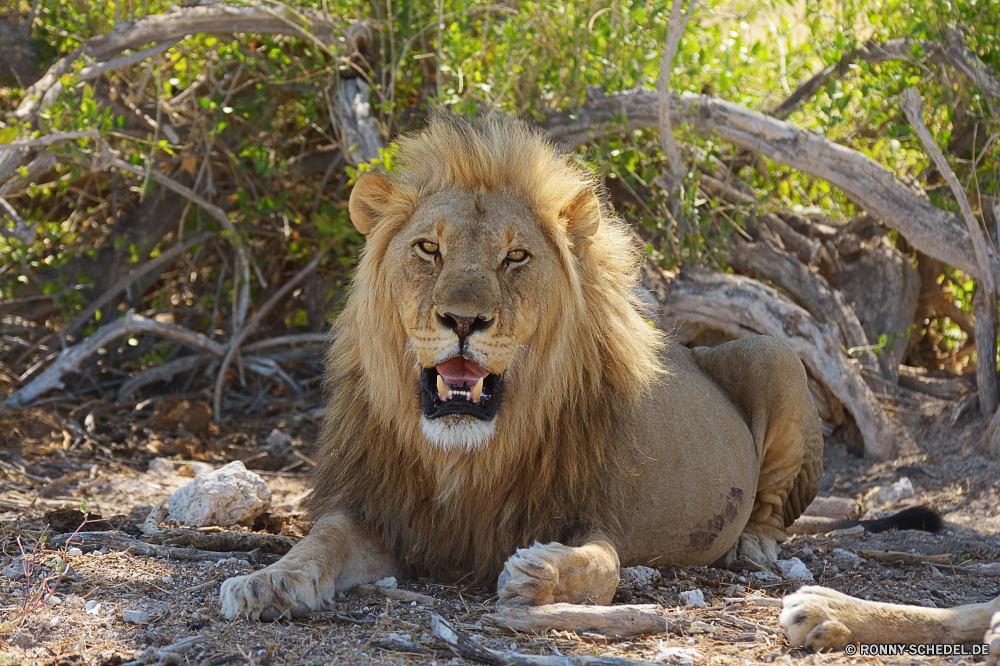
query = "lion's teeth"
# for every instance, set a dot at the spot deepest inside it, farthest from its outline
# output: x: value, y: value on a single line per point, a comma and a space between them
x: 442, y: 389
x: 477, y: 390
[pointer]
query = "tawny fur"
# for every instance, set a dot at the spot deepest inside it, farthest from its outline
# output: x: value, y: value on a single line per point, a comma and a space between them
x: 819, y: 618
x: 557, y: 463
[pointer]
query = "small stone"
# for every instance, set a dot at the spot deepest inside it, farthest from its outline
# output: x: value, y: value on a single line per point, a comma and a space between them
x: 75, y: 552
x: 693, y: 598
x: 878, y: 495
x: 857, y: 530
x: 639, y: 576
x: 53, y: 601
x: 226, y: 496
x: 278, y: 439
x: 794, y: 569
x: 388, y: 583
x: 765, y: 577
x: 901, y: 490
x: 735, y: 591
x: 841, y: 554
x: 14, y: 570
x: 93, y: 607
x: 168, y: 579
x: 135, y: 616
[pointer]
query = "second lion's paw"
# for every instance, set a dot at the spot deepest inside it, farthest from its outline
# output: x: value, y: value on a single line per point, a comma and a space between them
x: 810, y: 619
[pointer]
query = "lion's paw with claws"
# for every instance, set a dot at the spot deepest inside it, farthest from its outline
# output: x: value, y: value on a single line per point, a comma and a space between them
x: 812, y: 618
x: 272, y: 594
x: 530, y: 576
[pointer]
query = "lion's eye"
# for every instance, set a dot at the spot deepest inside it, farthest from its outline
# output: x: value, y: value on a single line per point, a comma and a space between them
x: 430, y: 247
x: 517, y: 255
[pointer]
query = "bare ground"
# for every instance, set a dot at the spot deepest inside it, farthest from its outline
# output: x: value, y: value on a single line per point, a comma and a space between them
x: 49, y: 461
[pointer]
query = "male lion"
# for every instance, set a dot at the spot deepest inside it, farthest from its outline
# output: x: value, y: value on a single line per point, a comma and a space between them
x: 499, y: 406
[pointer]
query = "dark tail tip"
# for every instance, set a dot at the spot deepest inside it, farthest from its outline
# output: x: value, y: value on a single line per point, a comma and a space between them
x: 920, y: 518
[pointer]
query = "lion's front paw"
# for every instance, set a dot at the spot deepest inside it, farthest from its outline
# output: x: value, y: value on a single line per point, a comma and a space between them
x: 530, y: 576
x: 273, y: 593
x: 810, y: 618
x: 993, y: 639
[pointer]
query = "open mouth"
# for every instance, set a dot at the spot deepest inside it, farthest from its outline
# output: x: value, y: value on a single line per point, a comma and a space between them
x: 460, y: 387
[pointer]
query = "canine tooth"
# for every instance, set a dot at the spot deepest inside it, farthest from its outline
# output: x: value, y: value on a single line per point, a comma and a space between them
x: 477, y: 390
x: 443, y: 391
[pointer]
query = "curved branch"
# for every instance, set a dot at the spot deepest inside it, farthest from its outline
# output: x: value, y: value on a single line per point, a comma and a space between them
x: 741, y: 306
x: 931, y: 230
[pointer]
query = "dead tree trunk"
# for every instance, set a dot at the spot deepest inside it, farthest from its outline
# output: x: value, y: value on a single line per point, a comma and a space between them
x: 740, y: 306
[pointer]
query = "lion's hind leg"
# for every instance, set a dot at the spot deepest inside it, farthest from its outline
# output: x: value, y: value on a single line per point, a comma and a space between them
x: 819, y: 618
x: 766, y: 379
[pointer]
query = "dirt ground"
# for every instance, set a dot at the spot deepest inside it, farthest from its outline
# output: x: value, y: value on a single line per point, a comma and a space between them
x: 61, y: 455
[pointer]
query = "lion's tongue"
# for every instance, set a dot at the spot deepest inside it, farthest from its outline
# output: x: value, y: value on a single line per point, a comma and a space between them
x: 459, y: 372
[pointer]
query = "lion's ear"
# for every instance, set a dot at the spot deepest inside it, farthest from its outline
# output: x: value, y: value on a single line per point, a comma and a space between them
x: 368, y: 199
x: 583, y: 217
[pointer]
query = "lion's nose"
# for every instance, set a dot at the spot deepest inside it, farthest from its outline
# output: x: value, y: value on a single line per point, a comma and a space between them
x: 466, y: 326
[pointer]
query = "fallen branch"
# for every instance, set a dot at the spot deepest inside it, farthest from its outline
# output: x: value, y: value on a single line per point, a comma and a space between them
x: 118, y: 541
x: 933, y: 231
x: 611, y: 621
x: 468, y: 649
x: 740, y: 306
x: 70, y: 360
x: 222, y: 542
x: 906, y: 558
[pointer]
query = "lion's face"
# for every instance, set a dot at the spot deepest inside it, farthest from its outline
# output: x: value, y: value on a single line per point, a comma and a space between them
x: 493, y: 294
x: 472, y: 275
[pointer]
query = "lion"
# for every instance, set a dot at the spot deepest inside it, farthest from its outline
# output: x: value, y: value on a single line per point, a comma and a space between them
x: 500, y: 410
x: 819, y: 618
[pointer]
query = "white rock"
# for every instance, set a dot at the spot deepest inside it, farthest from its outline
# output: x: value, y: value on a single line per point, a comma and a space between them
x: 135, y: 616
x: 901, y: 490
x: 693, y: 598
x: 168, y: 579
x: 229, y: 495
x: 794, y: 569
x: 53, y: 601
x: 93, y: 607
x: 388, y: 583
x: 841, y: 554
x: 278, y: 439
x: 639, y: 576
x: 878, y: 495
x: 735, y: 591
x: 75, y: 552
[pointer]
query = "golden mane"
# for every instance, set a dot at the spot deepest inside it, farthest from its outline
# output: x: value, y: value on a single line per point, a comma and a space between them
x: 563, y: 448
